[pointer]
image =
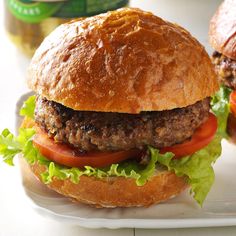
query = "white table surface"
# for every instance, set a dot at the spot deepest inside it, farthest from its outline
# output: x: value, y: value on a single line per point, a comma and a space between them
x: 16, y: 216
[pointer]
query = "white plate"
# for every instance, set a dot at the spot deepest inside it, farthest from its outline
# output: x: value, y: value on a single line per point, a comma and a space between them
x: 219, y: 208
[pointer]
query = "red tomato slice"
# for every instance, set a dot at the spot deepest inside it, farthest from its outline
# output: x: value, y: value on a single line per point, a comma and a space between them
x: 201, y: 138
x: 231, y: 128
x: 65, y: 155
x: 232, y: 100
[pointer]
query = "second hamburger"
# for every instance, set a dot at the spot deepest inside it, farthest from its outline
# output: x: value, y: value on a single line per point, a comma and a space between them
x: 222, y: 35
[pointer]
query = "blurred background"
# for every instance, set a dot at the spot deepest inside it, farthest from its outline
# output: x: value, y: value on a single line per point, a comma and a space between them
x: 22, y: 28
x: 27, y: 23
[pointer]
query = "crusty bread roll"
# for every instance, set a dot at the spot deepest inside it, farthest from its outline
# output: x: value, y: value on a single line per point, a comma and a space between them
x: 122, y: 61
x: 117, y: 191
x: 222, y: 31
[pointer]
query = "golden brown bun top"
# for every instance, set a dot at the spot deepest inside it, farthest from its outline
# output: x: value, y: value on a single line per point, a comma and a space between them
x: 122, y: 61
x: 222, y: 32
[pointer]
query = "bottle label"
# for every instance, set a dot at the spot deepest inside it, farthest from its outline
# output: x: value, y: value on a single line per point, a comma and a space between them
x: 32, y: 12
x: 35, y: 11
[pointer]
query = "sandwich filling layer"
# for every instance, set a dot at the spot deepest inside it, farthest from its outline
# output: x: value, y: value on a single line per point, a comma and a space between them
x: 226, y: 69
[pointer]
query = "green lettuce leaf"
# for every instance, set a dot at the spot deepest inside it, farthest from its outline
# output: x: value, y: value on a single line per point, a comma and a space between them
x: 28, y: 107
x: 220, y: 107
x: 11, y: 146
x: 197, y: 167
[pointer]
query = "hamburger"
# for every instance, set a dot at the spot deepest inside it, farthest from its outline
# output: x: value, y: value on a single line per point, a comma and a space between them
x: 121, y: 115
x: 222, y: 36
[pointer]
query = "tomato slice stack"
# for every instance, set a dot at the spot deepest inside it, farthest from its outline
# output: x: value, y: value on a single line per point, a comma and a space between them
x: 231, y: 124
x: 232, y: 100
x: 68, y: 156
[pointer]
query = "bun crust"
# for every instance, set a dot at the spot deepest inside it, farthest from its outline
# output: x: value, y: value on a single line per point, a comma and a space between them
x: 222, y: 32
x: 117, y: 191
x: 122, y: 61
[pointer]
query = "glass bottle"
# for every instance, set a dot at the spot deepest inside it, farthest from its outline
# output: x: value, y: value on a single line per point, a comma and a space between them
x: 28, y: 22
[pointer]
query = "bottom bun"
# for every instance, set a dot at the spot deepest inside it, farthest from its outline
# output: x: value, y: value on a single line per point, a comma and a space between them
x: 117, y: 191
x: 114, y: 191
x: 231, y: 128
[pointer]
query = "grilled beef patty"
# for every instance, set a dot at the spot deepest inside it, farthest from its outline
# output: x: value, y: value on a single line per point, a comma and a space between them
x: 225, y: 69
x: 105, y: 131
